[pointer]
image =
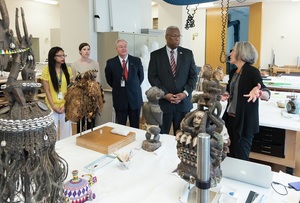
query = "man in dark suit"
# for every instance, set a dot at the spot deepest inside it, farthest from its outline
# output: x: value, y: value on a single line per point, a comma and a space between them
x: 124, y: 73
x: 177, y: 78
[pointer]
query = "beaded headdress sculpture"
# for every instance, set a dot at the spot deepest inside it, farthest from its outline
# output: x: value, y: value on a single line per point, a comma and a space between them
x: 30, y: 169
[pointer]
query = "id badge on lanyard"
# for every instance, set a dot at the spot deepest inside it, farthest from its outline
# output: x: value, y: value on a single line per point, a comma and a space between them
x: 60, y: 95
x: 122, y: 82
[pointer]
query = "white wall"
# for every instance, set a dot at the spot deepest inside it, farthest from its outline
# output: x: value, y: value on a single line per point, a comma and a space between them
x: 77, y: 24
x: 55, y: 37
x: 281, y: 28
x: 145, y: 13
x: 196, y: 43
x: 124, y: 16
x: 155, y: 11
x: 92, y: 33
x: 176, y: 15
x: 101, y: 8
x: 130, y: 15
x: 40, y: 18
x: 75, y: 27
x: 169, y: 15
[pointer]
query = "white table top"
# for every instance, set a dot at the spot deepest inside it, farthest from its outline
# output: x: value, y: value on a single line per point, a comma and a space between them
x: 150, y: 177
x: 286, y: 82
x: 270, y: 115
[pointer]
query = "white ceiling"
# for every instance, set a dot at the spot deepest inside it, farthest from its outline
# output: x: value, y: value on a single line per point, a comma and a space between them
x: 238, y: 6
x: 239, y: 2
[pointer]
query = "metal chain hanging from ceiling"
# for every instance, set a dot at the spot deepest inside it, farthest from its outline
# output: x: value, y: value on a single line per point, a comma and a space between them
x: 224, y: 16
x: 190, y: 22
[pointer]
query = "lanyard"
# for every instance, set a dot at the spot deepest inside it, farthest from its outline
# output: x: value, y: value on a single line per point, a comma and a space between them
x: 60, y: 77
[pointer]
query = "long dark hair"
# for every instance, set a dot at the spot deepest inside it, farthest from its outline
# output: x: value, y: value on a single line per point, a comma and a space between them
x: 51, y: 65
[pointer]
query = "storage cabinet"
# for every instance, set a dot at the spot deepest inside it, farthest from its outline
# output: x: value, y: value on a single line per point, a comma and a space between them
x: 107, y: 49
x: 269, y: 141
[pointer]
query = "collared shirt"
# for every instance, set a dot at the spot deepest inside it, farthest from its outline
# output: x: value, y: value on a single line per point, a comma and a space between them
x: 169, y: 53
x: 121, y: 61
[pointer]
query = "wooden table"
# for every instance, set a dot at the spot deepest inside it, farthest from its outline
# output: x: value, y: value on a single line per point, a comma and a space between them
x: 287, y: 69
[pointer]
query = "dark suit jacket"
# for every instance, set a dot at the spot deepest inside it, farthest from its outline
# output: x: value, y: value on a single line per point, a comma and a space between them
x: 130, y: 94
x: 246, y: 115
x: 160, y: 75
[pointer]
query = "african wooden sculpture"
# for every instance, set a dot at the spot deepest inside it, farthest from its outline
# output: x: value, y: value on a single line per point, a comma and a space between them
x: 205, y: 119
x: 211, y: 90
x: 30, y: 168
x: 153, y: 116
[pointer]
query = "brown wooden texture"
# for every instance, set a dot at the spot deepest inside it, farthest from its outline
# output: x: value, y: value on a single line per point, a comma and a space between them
x: 105, y: 142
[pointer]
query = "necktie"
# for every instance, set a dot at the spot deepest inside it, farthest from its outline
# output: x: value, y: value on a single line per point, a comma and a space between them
x: 125, y: 69
x: 173, y: 64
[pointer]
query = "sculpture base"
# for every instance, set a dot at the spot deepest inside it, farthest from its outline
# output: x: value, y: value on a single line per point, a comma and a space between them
x: 189, y: 194
x: 150, y: 146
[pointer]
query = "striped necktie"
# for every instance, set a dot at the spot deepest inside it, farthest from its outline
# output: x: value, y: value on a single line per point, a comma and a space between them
x: 173, y: 64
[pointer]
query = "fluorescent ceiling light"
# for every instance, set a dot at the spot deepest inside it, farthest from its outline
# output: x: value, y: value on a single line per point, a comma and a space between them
x: 47, y: 2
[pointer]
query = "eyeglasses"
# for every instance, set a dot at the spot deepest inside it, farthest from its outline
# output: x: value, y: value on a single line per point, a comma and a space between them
x: 175, y: 36
x: 61, y: 56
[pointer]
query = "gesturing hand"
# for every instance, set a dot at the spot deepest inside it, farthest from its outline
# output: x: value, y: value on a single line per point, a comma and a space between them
x: 254, y: 93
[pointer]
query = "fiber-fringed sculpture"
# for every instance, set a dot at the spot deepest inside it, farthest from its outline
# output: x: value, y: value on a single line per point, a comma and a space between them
x: 84, y: 98
x: 30, y: 169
